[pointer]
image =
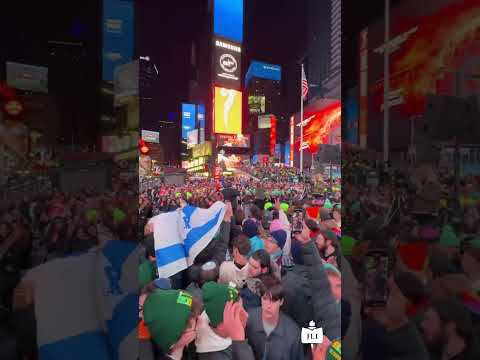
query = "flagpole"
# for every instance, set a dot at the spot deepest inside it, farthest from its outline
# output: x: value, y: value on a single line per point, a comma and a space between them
x: 301, y: 121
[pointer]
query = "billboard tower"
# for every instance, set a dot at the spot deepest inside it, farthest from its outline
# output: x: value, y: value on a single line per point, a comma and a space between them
x: 226, y: 82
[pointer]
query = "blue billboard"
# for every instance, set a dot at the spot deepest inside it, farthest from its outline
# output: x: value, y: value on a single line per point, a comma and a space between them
x: 228, y: 19
x: 118, y: 35
x: 201, y: 116
x: 188, y: 119
x: 263, y: 70
x: 350, y: 117
x: 287, y: 153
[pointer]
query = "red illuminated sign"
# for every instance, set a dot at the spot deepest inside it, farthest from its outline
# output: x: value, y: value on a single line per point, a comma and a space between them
x: 292, y: 139
x: 273, y: 134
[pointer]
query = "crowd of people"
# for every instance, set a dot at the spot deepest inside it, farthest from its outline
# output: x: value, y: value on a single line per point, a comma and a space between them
x: 45, y: 227
x: 430, y: 233
x: 272, y: 272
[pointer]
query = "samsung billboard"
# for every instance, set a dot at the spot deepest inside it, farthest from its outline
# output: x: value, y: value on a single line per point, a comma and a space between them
x: 228, y: 19
x: 227, y: 63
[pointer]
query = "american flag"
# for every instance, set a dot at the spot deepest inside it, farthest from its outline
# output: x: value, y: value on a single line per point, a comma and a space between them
x: 304, y: 85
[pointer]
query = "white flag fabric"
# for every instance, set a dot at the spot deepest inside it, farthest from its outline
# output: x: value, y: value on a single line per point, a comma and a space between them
x: 182, y: 234
x: 86, y: 306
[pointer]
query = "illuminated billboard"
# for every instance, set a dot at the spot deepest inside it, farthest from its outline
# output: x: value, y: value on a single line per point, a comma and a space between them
x: 228, y: 111
x: 256, y: 104
x: 319, y: 126
x: 192, y: 138
x: 263, y: 70
x: 265, y: 122
x: 228, y: 19
x: 227, y: 63
x: 188, y: 119
x: 233, y: 141
x: 435, y: 52
x: 27, y: 77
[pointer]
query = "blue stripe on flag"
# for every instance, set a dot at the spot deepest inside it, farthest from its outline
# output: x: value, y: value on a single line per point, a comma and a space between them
x: 90, y: 345
x: 198, y: 233
x: 169, y: 254
x: 117, y: 251
x: 124, y: 321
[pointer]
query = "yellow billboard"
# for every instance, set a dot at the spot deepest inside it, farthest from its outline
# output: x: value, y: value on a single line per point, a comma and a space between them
x: 228, y: 111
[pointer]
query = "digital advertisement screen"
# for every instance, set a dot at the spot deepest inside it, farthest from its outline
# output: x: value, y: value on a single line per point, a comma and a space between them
x: 227, y: 68
x: 228, y: 111
x: 118, y: 35
x: 192, y: 138
x: 151, y: 136
x: 265, y: 122
x: 234, y: 141
x: 319, y: 127
x: 188, y: 119
x: 256, y: 104
x: 27, y: 77
x: 228, y: 19
x: 435, y: 52
x: 201, y: 116
x: 263, y: 70
x: 287, y: 153
x: 351, y: 116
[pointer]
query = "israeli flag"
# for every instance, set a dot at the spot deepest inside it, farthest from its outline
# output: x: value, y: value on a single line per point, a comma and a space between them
x: 86, y: 306
x: 182, y: 234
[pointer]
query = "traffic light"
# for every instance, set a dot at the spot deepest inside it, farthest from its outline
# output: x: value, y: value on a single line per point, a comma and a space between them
x: 144, y: 149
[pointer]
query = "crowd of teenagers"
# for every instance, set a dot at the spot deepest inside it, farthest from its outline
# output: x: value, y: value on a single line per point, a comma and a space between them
x: 260, y: 280
x: 431, y: 233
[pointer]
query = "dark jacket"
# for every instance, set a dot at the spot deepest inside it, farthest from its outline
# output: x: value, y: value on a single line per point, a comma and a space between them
x: 240, y: 350
x: 284, y: 343
x: 406, y: 343
x: 297, y: 295
x: 325, y: 309
x: 216, y: 250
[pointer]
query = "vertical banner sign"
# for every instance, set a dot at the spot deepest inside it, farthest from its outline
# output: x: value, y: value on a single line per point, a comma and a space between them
x: 287, y: 153
x: 201, y: 123
x: 363, y: 120
x: 273, y: 135
x: 228, y: 19
x: 118, y: 35
x: 292, y: 139
x: 188, y: 119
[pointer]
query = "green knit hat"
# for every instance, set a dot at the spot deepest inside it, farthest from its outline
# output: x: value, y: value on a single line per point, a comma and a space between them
x: 347, y: 243
x: 166, y: 314
x: 147, y: 272
x: 328, y: 204
x: 332, y: 268
x: 284, y: 207
x: 268, y: 205
x: 215, y: 296
x: 118, y: 216
x: 334, y: 351
x: 448, y: 237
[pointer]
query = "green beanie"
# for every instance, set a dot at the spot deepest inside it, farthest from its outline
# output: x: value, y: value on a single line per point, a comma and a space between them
x: 334, y: 351
x: 328, y: 266
x: 328, y: 204
x: 284, y: 207
x: 147, y: 272
x: 347, y: 243
x: 166, y: 314
x: 91, y: 215
x: 215, y: 296
x: 118, y: 216
x: 448, y: 237
x: 268, y: 205
x: 177, y: 194
x: 189, y: 194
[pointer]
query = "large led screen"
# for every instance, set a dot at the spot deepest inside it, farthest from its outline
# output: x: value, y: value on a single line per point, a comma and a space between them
x: 256, y: 104
x: 233, y: 141
x: 27, y: 77
x: 228, y: 19
x: 228, y: 111
x: 118, y: 33
x: 188, y: 119
x: 435, y: 52
x: 227, y: 64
